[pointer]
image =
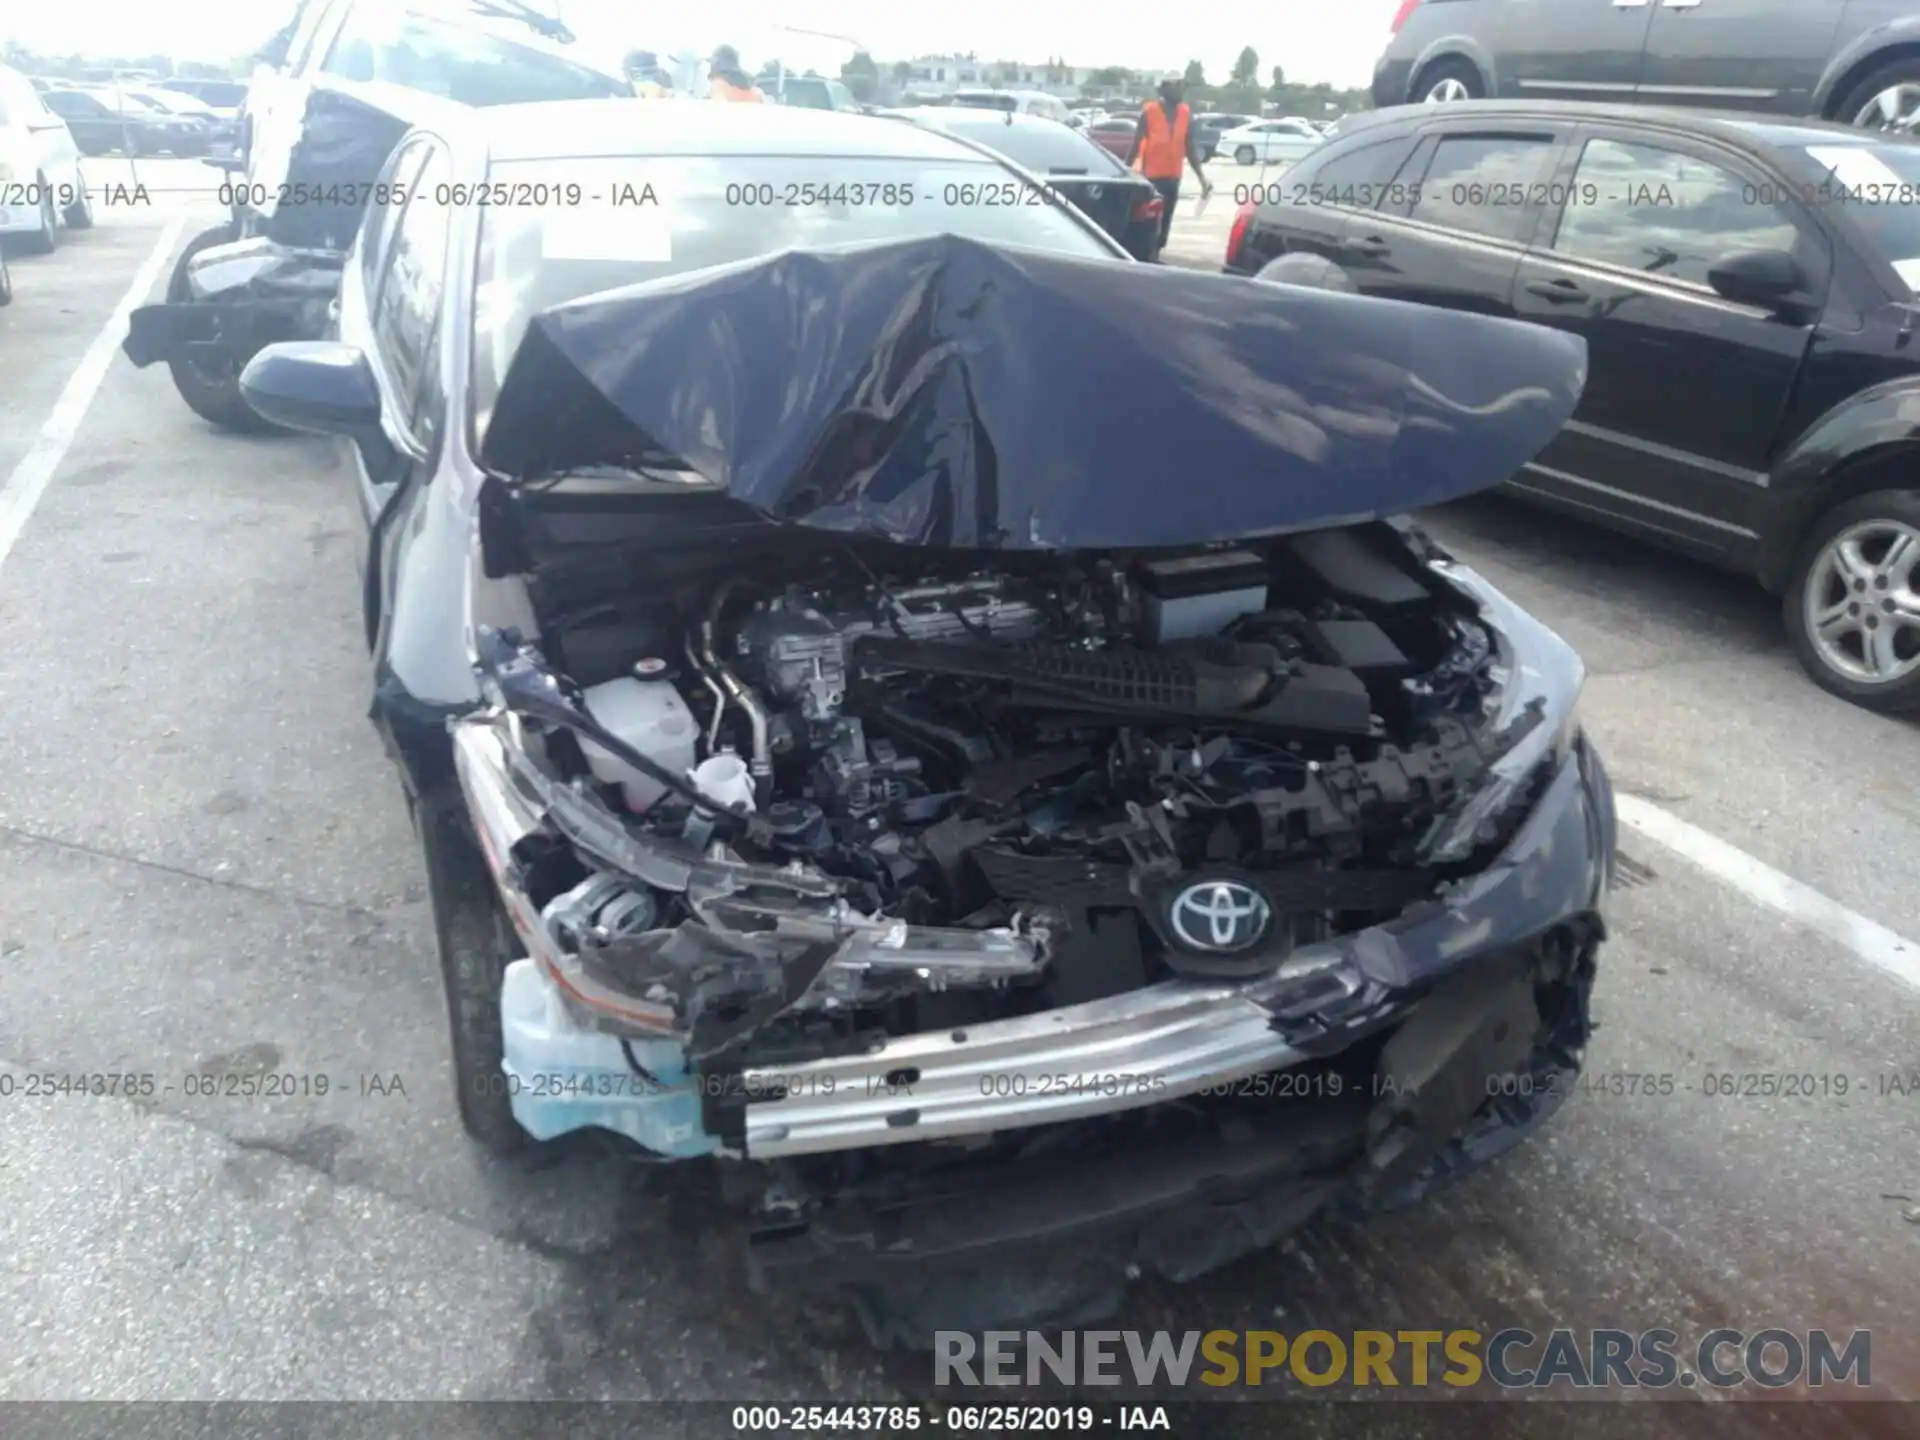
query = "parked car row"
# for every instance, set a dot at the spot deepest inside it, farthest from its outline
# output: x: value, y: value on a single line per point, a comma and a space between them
x: 42, y: 186
x: 1748, y: 289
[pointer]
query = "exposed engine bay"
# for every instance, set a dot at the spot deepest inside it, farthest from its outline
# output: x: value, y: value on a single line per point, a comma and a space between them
x: 943, y: 792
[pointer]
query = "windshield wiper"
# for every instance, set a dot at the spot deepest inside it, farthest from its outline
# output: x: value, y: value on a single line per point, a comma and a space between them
x: 514, y: 10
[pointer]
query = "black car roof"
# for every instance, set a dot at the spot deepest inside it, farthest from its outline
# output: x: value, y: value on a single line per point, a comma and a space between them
x: 588, y: 128
x: 1734, y: 126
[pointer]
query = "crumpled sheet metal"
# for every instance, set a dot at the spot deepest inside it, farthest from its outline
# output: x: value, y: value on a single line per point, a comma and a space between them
x: 948, y: 392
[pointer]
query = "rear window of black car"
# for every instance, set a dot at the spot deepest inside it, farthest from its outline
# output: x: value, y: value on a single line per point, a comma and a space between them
x: 1359, y: 178
x: 1047, y: 149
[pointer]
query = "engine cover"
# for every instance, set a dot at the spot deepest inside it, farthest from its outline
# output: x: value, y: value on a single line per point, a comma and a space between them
x: 796, y: 646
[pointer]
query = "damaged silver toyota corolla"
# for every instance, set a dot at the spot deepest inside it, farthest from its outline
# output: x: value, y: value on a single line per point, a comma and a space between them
x: 951, y: 732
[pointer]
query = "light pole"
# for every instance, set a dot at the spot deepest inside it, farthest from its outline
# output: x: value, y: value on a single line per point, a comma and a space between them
x: 779, y: 66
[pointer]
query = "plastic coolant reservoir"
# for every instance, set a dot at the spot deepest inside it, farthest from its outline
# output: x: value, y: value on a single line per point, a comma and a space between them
x: 565, y: 1077
x: 724, y: 778
x: 650, y: 716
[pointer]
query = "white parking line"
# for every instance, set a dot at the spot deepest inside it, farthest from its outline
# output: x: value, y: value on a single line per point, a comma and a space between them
x: 30, y: 477
x: 1761, y: 883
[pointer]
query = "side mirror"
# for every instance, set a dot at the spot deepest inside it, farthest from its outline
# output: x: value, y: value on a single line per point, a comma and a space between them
x: 316, y: 385
x: 1770, y: 279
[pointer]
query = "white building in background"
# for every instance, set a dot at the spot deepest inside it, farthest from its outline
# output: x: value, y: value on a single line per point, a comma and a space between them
x: 943, y: 74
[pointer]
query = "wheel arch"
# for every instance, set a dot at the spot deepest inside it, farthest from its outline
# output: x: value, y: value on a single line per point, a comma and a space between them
x: 1889, y: 464
x: 1462, y: 48
x: 1900, y: 40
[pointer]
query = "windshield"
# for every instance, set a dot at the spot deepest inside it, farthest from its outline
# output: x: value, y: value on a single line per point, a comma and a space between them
x: 459, y: 62
x: 1878, y: 185
x: 618, y: 221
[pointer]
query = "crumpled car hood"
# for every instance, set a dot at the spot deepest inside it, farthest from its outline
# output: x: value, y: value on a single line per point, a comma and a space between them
x: 948, y: 392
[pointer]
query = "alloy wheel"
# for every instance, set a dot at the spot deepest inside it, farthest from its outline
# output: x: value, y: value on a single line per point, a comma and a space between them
x: 1896, y: 108
x: 1447, y: 91
x: 1862, y: 611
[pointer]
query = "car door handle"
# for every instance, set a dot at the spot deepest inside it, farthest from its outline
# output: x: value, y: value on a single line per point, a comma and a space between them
x: 1682, y: 4
x: 1560, y: 292
x: 1372, y: 247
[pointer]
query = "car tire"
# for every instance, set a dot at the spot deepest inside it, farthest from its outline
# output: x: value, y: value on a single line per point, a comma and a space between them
x: 1449, y: 80
x: 212, y: 394
x: 47, y: 237
x: 1857, y: 105
x: 79, y: 215
x: 1243, y: 155
x: 1842, y: 661
x: 475, y: 944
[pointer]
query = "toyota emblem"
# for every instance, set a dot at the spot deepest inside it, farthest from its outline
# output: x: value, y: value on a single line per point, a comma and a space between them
x: 1221, y: 916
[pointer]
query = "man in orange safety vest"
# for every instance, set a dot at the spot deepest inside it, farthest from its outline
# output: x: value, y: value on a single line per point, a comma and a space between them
x: 727, y: 81
x: 1163, y: 145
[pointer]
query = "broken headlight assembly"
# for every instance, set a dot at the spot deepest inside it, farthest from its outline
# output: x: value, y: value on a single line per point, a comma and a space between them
x: 1535, y: 708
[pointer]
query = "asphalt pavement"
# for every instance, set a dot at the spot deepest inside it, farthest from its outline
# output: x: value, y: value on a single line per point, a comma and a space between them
x: 209, y: 876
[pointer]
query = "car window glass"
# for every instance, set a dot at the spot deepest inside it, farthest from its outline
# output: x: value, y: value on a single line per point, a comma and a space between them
x: 1478, y: 183
x: 407, y: 311
x: 1645, y: 207
x: 1360, y: 179
x: 459, y: 63
x: 1873, y: 181
x: 385, y: 211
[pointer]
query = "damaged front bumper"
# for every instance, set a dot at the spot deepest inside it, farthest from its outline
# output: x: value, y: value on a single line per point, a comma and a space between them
x: 230, y: 301
x: 679, y: 1093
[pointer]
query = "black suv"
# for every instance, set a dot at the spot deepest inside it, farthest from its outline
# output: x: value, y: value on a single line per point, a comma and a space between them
x: 1747, y: 291
x: 1856, y: 61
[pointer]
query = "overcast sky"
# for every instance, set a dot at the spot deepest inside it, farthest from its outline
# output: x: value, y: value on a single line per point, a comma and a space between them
x: 1313, y: 39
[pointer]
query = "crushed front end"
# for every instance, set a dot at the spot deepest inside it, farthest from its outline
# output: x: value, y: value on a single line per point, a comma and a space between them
x: 982, y: 822
x: 1273, y: 866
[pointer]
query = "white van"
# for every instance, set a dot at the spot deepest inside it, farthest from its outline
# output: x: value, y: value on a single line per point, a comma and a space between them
x: 41, y: 187
x: 1020, y: 102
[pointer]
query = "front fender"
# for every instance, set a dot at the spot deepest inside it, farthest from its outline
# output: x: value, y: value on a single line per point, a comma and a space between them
x: 1861, y: 55
x: 1837, y: 456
